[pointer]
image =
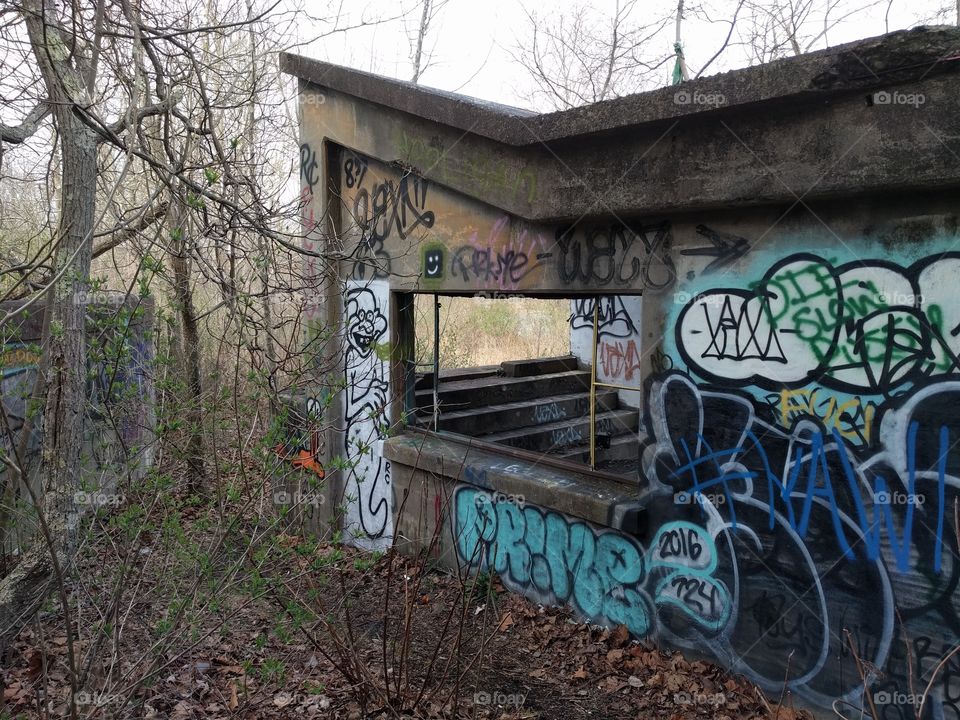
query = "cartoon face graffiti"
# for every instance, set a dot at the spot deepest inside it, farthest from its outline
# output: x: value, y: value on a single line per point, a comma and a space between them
x: 366, y: 325
x: 366, y: 416
x: 433, y: 263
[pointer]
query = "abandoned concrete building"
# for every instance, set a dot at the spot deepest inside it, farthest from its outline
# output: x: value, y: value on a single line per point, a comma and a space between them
x: 751, y: 451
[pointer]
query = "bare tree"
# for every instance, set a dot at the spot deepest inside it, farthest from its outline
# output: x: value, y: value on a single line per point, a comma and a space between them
x: 580, y: 58
x: 772, y: 29
x: 420, y: 58
x: 137, y: 121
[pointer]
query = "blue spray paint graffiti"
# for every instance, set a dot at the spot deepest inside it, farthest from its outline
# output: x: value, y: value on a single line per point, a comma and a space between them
x: 817, y: 426
x: 606, y: 576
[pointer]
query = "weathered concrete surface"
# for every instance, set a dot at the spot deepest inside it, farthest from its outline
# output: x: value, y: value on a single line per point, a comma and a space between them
x: 119, y: 417
x: 305, y: 498
x: 777, y: 276
x: 800, y: 127
x: 602, y: 501
x: 901, y: 57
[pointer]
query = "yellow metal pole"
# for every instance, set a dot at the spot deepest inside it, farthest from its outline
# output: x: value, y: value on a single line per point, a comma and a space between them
x: 635, y: 388
x: 593, y: 389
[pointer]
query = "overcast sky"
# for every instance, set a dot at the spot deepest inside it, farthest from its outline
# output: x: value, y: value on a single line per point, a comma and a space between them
x: 473, y: 40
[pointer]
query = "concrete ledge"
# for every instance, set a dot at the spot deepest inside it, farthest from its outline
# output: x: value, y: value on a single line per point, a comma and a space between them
x: 880, y: 62
x: 583, y: 495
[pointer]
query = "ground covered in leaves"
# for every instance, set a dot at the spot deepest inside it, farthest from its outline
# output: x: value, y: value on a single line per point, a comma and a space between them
x: 319, y: 630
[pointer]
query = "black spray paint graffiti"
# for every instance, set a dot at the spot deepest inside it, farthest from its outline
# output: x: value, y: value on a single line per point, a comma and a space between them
x: 308, y: 167
x: 366, y: 414
x: 503, y: 260
x: 433, y: 259
x: 817, y: 538
x: 302, y: 443
x: 489, y: 266
x: 389, y: 209
x: 616, y: 255
x: 725, y: 248
x: 613, y: 320
x: 868, y: 327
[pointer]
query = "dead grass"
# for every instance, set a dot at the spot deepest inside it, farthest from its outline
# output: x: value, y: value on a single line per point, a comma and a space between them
x: 257, y: 658
x: 483, y: 331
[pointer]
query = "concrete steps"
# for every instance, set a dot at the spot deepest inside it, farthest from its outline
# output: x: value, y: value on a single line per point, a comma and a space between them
x: 621, y: 448
x: 525, y: 413
x: 463, y: 394
x: 551, y: 437
x: 538, y: 405
x: 540, y: 366
x: 425, y: 381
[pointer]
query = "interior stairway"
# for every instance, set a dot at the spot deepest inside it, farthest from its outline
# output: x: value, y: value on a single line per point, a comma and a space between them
x: 541, y: 405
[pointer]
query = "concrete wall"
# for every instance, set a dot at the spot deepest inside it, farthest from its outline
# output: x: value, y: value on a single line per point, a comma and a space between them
x: 798, y: 350
x: 619, y: 340
x: 119, y: 417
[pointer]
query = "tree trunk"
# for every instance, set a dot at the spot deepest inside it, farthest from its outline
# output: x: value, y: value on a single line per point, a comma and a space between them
x: 421, y: 36
x: 64, y: 343
x: 189, y: 355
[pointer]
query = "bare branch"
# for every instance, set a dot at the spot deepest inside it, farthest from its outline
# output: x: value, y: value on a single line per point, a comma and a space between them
x: 28, y: 127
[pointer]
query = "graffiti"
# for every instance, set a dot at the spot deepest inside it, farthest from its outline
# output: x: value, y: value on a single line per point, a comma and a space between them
x: 831, y: 535
x: 559, y: 562
x: 489, y: 266
x: 818, y: 429
x: 503, y: 261
x: 433, y: 262
x: 613, y: 320
x: 483, y: 171
x: 393, y: 208
x: 366, y: 414
x: 17, y: 357
x: 120, y: 396
x: 863, y: 327
x: 812, y: 465
x: 118, y: 408
x: 548, y: 413
x: 620, y: 360
x: 606, y: 576
x: 852, y: 417
x: 777, y: 537
x: 561, y: 437
x: 687, y: 557
x: 19, y: 366
x: 660, y: 362
x: 308, y: 166
x: 617, y: 255
x: 354, y: 168
x: 302, y: 447
x: 725, y: 249
x: 389, y: 209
